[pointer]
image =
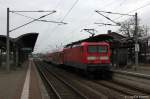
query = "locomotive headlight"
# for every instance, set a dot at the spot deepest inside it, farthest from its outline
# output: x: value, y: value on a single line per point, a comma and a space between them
x: 91, y: 58
x: 104, y: 58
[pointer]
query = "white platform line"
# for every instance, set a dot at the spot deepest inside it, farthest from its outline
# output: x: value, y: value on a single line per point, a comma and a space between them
x: 25, y: 91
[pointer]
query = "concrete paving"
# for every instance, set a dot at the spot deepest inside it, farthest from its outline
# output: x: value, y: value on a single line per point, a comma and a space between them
x: 11, y: 83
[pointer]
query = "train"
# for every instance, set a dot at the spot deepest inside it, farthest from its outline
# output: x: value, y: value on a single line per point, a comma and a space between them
x: 90, y: 57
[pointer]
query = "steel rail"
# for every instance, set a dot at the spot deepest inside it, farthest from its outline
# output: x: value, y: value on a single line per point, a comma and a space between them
x: 105, y: 92
x: 139, y: 86
x: 126, y: 91
x: 64, y: 82
x: 49, y: 83
x: 69, y: 85
x: 140, y: 75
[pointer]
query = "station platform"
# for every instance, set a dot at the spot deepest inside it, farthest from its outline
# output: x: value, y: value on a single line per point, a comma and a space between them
x: 23, y: 83
x: 141, y: 68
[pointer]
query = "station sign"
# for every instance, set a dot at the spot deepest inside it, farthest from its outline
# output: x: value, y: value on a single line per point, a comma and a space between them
x: 26, y: 49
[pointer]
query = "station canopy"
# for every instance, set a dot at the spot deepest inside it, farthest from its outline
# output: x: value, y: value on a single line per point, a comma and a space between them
x: 25, y: 42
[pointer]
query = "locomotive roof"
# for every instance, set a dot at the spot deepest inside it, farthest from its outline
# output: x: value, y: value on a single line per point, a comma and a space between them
x: 93, y: 43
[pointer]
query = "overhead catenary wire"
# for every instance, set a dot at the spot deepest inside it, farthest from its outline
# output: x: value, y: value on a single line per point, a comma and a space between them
x: 86, y: 20
x: 65, y: 14
x: 101, y: 8
x: 56, y: 6
x: 37, y: 19
x: 140, y: 7
x: 31, y: 21
x: 108, y: 18
x: 109, y: 12
x: 32, y: 11
x: 57, y: 26
x: 90, y: 16
x: 70, y: 10
x: 107, y: 24
x: 135, y: 10
x: 128, y: 13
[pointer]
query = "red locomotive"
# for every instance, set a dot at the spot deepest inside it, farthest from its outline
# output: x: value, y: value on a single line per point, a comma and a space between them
x: 87, y: 56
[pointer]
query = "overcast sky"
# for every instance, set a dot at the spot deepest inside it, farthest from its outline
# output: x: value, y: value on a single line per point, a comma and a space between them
x: 82, y: 15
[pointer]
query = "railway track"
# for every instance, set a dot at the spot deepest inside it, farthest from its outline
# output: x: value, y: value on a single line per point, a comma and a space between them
x: 139, y: 75
x: 80, y: 87
x: 97, y: 88
x: 127, y: 91
x: 136, y: 81
x: 111, y: 88
x: 60, y: 88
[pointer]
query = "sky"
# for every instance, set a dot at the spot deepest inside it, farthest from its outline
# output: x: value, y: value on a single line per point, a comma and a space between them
x: 79, y: 14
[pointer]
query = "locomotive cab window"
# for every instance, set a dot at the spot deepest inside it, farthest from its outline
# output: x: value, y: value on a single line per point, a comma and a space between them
x: 97, y: 49
x: 102, y: 49
x: 92, y: 49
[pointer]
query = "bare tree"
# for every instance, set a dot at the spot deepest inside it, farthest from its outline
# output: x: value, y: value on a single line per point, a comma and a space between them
x: 128, y: 27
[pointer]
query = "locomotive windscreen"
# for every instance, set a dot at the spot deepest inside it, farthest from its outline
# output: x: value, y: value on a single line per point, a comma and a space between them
x: 97, y: 49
